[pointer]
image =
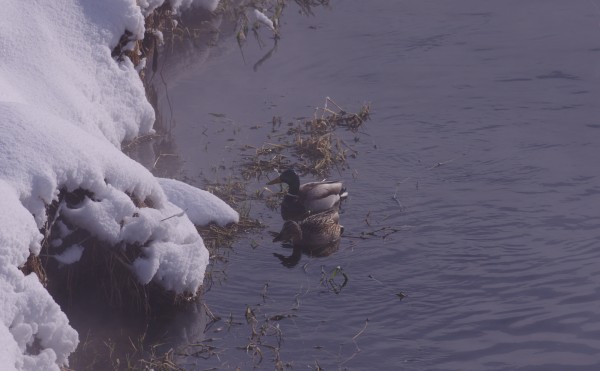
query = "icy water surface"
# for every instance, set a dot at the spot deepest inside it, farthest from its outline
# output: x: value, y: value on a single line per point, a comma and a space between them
x: 485, y: 125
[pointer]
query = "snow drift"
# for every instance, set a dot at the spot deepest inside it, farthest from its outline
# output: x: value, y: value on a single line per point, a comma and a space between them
x: 65, y: 108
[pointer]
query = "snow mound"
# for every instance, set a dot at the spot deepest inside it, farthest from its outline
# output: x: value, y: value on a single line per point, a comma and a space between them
x: 202, y: 207
x: 65, y: 108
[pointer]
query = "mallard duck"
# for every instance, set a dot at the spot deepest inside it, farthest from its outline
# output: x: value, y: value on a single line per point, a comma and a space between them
x: 314, y: 233
x: 303, y: 200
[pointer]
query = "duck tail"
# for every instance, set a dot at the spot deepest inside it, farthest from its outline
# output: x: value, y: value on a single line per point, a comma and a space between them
x: 343, y: 193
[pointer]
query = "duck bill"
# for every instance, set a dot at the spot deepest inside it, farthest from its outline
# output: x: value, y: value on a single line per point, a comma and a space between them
x: 278, y: 238
x: 275, y: 181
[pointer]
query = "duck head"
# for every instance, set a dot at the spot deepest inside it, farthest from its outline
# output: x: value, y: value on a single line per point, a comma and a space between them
x: 290, y: 232
x: 290, y: 178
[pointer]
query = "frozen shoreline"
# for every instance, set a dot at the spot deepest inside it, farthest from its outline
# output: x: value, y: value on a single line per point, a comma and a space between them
x: 65, y: 108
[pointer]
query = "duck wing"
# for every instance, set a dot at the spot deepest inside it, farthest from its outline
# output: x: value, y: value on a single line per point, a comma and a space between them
x: 320, y: 196
x: 318, y: 220
x: 321, y: 228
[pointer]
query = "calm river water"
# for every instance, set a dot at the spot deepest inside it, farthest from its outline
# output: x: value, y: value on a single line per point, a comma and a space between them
x: 486, y: 129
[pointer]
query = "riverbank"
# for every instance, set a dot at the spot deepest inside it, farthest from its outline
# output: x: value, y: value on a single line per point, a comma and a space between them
x: 70, y: 98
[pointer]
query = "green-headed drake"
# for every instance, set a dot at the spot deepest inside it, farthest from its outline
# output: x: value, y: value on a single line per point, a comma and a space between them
x: 307, y: 199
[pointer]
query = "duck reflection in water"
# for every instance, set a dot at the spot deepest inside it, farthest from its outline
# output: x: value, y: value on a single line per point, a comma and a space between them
x: 318, y: 235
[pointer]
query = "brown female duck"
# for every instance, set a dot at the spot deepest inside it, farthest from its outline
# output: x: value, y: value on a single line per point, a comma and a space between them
x: 314, y: 232
x: 309, y: 198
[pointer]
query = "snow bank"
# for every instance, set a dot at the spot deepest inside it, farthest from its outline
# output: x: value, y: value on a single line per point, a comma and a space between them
x: 27, y: 312
x: 65, y: 108
x: 202, y: 207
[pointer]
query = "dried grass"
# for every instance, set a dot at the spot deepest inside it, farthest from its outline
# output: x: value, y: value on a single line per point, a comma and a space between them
x: 122, y: 354
x: 34, y: 265
x: 310, y: 146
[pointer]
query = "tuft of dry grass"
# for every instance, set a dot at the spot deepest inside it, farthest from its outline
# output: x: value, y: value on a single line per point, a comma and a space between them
x: 310, y: 146
x: 307, y: 5
x: 133, y: 354
x: 232, y: 191
x: 103, y: 270
x: 216, y: 237
x: 34, y: 265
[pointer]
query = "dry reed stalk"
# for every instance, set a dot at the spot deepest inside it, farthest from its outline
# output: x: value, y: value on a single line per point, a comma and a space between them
x: 34, y: 265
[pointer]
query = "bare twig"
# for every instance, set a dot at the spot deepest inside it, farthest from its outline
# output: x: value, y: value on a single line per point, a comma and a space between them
x: 362, y: 330
x: 441, y: 163
x: 175, y: 215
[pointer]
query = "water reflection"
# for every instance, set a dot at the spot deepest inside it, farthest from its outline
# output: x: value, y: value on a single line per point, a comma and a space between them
x: 186, y: 45
x: 290, y: 261
x: 318, y: 235
x: 268, y: 55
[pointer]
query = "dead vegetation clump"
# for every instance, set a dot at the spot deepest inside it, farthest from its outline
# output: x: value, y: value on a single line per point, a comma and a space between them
x: 232, y: 191
x: 102, y: 270
x: 310, y: 145
x: 122, y: 353
x: 273, y: 9
x: 162, y: 26
x: 217, y: 238
x: 307, y: 6
x: 127, y: 46
x: 261, y: 337
x: 34, y: 265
